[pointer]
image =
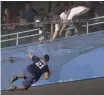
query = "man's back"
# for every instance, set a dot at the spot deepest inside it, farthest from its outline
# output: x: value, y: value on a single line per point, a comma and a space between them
x: 38, y: 67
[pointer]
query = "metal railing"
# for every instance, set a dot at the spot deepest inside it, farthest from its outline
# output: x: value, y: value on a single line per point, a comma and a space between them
x: 17, y: 35
x: 87, y: 23
x: 40, y: 31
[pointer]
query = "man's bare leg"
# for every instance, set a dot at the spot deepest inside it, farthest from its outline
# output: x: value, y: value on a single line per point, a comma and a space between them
x: 21, y: 75
x: 16, y: 78
x: 20, y: 88
x: 84, y: 11
x: 14, y: 88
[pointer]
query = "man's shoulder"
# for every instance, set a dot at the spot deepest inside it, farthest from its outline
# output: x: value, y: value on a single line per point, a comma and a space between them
x: 35, y: 58
x: 62, y: 13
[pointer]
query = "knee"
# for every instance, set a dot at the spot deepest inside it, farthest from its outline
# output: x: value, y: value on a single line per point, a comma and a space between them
x: 23, y: 87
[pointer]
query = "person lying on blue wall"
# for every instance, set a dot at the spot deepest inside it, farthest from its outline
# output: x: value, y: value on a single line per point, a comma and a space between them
x: 33, y: 72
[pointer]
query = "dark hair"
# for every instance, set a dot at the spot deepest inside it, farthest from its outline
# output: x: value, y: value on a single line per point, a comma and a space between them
x: 66, y: 7
x: 57, y: 12
x: 42, y: 19
x: 46, y: 57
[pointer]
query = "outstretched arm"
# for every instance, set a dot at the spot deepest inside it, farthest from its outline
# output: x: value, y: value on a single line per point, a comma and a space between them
x: 64, y: 26
x: 30, y: 55
x: 62, y: 29
x: 57, y: 28
x: 33, y: 57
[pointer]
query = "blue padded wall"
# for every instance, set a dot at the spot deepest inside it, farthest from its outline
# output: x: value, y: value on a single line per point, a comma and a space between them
x: 74, y: 58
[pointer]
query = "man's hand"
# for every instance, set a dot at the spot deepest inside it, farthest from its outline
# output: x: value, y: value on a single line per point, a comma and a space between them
x: 60, y: 33
x: 30, y: 55
x: 47, y: 74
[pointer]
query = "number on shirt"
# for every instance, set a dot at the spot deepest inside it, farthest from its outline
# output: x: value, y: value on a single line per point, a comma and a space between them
x: 40, y: 65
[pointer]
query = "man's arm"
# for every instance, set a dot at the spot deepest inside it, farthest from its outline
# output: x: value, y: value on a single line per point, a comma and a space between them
x: 47, y: 75
x: 62, y: 29
x: 64, y: 19
x: 64, y: 26
x: 33, y: 57
x: 57, y: 28
x: 30, y: 55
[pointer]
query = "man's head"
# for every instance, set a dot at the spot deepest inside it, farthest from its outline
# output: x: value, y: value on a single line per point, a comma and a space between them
x: 28, y: 6
x: 46, y: 57
x: 6, y: 11
x: 56, y: 15
x: 41, y: 11
x: 66, y: 7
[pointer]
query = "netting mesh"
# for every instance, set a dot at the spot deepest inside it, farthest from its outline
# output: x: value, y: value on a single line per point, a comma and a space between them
x: 63, y: 56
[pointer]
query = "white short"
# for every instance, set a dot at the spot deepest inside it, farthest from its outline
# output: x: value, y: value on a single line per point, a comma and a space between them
x: 75, y: 11
x: 63, y: 17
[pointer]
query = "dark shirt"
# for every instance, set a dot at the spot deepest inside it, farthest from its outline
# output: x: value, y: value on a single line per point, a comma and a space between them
x: 29, y: 15
x: 38, y: 67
